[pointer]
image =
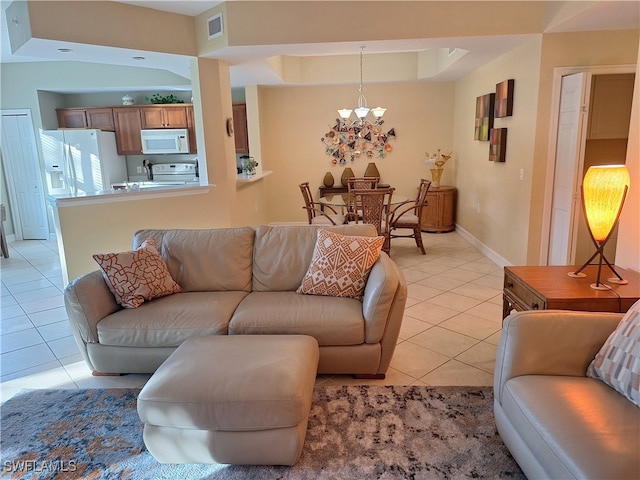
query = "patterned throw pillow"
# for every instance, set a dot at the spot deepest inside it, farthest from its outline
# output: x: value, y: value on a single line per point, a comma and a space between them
x: 340, y: 265
x: 618, y: 362
x: 138, y: 275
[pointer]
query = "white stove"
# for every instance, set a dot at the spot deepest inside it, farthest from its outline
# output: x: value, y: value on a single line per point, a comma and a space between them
x: 174, y: 172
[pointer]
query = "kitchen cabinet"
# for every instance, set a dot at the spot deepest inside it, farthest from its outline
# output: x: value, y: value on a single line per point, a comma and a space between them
x: 100, y: 118
x: 164, y: 116
x: 240, y: 132
x: 128, y: 124
x: 438, y: 215
x: 127, y: 121
x: 72, y: 117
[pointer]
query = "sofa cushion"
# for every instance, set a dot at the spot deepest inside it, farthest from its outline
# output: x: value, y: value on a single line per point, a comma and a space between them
x: 282, y: 253
x: 206, y: 260
x: 137, y: 275
x: 340, y: 265
x: 332, y: 321
x: 618, y: 362
x: 169, y: 321
x: 578, y: 426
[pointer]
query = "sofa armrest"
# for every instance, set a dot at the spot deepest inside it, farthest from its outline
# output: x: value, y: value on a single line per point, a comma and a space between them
x: 550, y: 342
x: 378, y: 297
x: 88, y: 300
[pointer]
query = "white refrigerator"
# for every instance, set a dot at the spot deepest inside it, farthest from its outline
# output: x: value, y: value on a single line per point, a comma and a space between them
x: 81, y: 162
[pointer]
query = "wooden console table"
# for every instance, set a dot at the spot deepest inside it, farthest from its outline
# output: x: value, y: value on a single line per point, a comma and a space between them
x: 438, y: 216
x: 324, y: 191
x: 339, y: 188
x: 549, y: 287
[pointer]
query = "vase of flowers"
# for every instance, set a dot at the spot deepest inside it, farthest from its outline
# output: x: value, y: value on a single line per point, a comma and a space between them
x: 435, y: 162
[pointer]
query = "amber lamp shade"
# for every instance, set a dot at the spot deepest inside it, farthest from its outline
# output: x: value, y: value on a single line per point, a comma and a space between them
x: 604, y: 190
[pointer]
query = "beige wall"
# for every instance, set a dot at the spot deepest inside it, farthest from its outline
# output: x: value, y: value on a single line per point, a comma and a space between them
x: 573, y: 50
x: 628, y: 251
x: 493, y: 203
x: 264, y: 23
x: 94, y: 22
x: 110, y: 227
x: 294, y: 119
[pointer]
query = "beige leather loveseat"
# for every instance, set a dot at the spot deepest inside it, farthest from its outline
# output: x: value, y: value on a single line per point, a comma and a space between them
x: 557, y: 422
x: 240, y: 281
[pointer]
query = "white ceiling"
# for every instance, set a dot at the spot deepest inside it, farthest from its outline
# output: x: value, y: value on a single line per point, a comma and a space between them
x: 248, y: 64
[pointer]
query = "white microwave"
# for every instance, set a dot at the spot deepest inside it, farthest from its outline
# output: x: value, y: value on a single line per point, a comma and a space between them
x: 165, y: 140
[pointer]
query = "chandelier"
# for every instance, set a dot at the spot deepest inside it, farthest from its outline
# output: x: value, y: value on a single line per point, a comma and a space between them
x: 349, y: 139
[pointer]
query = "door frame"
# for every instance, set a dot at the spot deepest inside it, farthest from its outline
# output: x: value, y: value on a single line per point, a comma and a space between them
x: 558, y: 73
x: 8, y: 175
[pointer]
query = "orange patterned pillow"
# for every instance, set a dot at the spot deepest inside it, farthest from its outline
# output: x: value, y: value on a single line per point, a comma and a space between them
x: 138, y: 275
x: 340, y: 265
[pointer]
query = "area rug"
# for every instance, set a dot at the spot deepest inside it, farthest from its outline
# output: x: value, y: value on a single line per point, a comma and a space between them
x: 354, y: 432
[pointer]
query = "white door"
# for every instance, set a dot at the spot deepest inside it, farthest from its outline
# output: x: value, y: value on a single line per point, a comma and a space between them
x: 565, y: 210
x: 22, y: 174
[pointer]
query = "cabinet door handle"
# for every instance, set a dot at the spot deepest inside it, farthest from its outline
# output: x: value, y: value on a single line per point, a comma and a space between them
x: 509, y: 285
x: 534, y: 306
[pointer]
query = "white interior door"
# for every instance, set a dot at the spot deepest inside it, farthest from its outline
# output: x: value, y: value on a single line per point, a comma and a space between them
x: 571, y: 140
x: 22, y: 173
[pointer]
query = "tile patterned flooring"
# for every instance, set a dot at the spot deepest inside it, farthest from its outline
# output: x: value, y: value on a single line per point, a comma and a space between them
x: 449, y: 333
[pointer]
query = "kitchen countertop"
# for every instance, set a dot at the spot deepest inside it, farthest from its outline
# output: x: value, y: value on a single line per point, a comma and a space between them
x: 135, y: 191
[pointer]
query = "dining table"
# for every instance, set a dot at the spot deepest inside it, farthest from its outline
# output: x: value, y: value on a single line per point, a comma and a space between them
x: 341, y: 200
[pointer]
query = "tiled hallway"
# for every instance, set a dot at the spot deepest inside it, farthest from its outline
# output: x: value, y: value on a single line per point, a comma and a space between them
x: 449, y: 334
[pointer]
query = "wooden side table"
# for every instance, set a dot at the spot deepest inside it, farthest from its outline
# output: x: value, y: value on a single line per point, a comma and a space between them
x: 324, y: 191
x: 549, y: 287
x: 438, y: 216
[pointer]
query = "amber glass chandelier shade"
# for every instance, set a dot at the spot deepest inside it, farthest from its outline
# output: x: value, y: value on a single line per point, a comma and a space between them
x: 603, y: 193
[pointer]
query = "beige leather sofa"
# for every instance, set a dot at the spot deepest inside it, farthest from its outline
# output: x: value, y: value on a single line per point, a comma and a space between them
x: 240, y: 281
x: 558, y: 423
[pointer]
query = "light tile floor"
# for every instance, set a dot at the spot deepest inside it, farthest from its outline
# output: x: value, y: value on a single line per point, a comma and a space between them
x: 449, y: 333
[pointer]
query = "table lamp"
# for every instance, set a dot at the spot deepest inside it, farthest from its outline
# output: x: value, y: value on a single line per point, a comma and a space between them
x: 604, y: 190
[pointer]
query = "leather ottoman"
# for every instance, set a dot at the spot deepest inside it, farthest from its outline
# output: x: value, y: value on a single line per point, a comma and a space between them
x: 231, y: 399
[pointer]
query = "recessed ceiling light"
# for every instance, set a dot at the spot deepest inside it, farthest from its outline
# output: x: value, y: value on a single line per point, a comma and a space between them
x: 65, y: 50
x: 138, y: 58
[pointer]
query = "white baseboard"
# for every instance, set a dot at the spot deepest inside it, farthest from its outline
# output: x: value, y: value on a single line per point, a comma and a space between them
x: 486, y: 251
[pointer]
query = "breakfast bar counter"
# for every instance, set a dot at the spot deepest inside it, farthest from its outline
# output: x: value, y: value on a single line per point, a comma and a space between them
x: 139, y: 191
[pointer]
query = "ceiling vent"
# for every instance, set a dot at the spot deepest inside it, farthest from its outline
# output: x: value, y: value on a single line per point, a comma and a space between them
x: 214, y: 26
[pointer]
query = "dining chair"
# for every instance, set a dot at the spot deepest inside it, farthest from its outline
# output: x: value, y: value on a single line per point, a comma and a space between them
x: 315, y: 210
x: 359, y: 183
x: 375, y: 204
x: 408, y: 216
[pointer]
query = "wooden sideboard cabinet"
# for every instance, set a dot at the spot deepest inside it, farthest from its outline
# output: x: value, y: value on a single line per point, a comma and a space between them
x: 438, y: 216
x: 549, y: 287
